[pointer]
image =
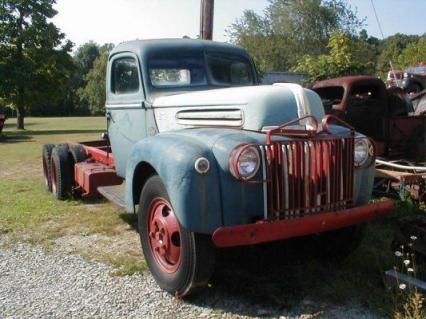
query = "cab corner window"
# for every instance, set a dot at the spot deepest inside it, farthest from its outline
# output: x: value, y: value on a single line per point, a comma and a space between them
x: 125, y: 79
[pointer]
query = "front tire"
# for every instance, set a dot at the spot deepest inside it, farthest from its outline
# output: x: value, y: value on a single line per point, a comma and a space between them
x: 180, y: 261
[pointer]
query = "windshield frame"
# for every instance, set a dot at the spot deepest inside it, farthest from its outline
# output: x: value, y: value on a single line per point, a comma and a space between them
x: 155, y: 91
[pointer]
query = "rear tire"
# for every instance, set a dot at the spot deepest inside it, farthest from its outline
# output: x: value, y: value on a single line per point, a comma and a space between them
x: 46, y: 160
x: 78, y: 153
x: 180, y: 261
x: 60, y: 172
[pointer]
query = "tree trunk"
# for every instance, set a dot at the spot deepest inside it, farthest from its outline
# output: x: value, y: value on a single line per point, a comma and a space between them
x: 20, y: 114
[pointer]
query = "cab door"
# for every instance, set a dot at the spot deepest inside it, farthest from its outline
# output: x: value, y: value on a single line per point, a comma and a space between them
x: 125, y: 109
x: 365, y: 109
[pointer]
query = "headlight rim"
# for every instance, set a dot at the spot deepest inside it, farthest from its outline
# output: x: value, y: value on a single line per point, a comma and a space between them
x: 234, y: 159
x: 370, y: 152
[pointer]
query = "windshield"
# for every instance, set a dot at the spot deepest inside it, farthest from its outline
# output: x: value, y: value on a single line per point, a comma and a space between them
x: 173, y: 70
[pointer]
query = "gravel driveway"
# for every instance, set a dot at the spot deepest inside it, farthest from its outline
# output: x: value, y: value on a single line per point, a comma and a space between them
x: 36, y: 284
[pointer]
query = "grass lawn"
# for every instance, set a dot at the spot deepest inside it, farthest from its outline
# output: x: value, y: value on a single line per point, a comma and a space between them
x: 28, y: 212
x: 98, y: 230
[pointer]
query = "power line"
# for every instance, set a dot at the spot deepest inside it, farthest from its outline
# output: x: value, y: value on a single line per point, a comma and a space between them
x: 377, y: 19
x: 383, y: 37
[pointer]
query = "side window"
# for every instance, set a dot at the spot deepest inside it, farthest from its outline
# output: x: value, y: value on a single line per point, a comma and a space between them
x: 125, y: 77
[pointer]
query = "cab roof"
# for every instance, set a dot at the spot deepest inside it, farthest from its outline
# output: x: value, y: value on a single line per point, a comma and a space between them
x: 145, y: 48
x: 348, y: 81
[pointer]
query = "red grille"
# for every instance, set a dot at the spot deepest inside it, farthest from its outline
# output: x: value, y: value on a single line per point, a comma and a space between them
x: 309, y: 176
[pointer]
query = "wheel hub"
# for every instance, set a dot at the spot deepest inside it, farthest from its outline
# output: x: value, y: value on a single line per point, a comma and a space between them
x: 164, y: 235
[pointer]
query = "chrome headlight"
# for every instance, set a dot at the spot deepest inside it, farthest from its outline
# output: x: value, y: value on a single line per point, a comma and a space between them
x: 363, y: 151
x: 244, y: 162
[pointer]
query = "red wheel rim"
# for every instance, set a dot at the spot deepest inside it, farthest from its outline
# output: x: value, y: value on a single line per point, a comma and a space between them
x: 53, y: 176
x: 164, y: 235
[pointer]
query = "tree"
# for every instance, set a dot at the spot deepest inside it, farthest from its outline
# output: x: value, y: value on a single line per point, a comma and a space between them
x: 366, y: 51
x: 290, y: 29
x: 339, y: 62
x: 94, y: 90
x: 390, y: 50
x: 414, y: 54
x: 85, y: 56
x: 34, y: 59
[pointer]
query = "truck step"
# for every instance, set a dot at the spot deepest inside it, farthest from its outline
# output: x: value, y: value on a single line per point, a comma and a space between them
x: 114, y: 194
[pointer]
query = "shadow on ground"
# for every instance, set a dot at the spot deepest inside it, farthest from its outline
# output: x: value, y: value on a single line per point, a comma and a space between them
x: 23, y: 136
x: 12, y: 138
x: 286, y: 277
x: 53, y: 132
x: 278, y: 277
x: 11, y: 124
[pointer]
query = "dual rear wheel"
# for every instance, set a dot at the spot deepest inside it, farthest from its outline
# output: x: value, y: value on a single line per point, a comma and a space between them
x: 58, y: 168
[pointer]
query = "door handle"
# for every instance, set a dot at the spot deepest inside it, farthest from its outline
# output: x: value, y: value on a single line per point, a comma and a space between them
x: 109, y: 116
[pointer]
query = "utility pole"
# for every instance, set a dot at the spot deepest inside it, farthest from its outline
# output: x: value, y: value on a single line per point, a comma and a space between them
x: 206, y: 19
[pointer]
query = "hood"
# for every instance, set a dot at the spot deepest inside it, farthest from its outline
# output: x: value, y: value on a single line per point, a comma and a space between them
x: 250, y: 108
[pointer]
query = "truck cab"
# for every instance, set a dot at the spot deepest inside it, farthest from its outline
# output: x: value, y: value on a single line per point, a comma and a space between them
x: 140, y: 72
x: 211, y: 159
x: 389, y: 116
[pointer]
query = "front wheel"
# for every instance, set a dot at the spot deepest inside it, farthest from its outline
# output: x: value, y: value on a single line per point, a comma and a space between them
x: 180, y: 261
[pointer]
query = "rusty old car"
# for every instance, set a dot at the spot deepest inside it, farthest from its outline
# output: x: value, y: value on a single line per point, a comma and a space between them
x: 388, y: 116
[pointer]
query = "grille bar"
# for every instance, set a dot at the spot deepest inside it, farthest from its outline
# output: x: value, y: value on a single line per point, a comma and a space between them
x: 309, y: 176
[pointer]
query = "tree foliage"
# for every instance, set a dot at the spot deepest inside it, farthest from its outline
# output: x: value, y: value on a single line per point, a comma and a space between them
x: 290, y: 29
x: 34, y: 61
x: 413, y: 54
x: 390, y: 50
x: 94, y: 90
x: 339, y: 62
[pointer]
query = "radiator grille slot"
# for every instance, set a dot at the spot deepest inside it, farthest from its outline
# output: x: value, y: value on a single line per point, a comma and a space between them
x: 309, y: 176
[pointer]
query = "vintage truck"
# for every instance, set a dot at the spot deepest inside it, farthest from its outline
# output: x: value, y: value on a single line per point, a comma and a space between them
x: 388, y: 116
x: 396, y: 121
x: 210, y: 159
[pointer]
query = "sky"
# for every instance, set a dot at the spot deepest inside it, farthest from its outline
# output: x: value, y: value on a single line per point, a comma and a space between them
x: 115, y: 21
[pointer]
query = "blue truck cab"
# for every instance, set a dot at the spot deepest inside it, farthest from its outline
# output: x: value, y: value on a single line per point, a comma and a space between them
x: 212, y: 159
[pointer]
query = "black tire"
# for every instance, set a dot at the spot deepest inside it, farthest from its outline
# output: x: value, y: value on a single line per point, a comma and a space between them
x: 78, y: 153
x: 60, y: 172
x: 46, y: 158
x: 339, y: 244
x: 197, y: 252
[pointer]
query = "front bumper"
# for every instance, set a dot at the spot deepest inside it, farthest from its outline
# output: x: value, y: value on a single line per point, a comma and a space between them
x: 264, y: 231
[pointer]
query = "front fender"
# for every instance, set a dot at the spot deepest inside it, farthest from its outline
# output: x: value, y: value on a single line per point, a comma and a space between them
x: 195, y: 198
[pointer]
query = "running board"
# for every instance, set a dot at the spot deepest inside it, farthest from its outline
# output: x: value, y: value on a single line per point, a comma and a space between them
x: 114, y: 194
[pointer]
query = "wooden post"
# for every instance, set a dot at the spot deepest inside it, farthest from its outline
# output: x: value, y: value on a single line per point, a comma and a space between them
x: 206, y: 19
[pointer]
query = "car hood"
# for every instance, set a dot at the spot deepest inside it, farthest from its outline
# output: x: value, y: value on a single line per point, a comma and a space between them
x: 250, y: 108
